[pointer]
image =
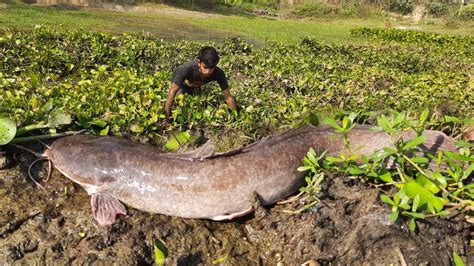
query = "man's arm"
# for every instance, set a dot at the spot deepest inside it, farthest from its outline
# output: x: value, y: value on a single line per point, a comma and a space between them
x: 169, y: 100
x: 230, y: 100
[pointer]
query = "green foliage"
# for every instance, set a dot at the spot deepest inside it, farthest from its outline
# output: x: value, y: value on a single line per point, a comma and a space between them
x: 467, y: 12
x: 117, y: 84
x: 320, y: 9
x: 400, y: 6
x: 420, y: 190
x: 10, y: 133
x: 461, y: 43
x: 177, y: 139
x: 316, y: 9
x: 437, y: 8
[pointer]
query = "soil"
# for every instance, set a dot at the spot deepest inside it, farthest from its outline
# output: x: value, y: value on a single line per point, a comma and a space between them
x: 352, y: 227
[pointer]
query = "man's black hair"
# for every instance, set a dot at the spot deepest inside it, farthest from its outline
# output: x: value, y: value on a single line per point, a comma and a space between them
x: 209, y: 56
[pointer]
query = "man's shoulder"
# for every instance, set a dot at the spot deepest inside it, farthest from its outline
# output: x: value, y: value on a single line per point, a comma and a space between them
x: 188, y: 65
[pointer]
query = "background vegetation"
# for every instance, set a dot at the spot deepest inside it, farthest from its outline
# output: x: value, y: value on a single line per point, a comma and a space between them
x: 122, y: 81
x: 330, y: 23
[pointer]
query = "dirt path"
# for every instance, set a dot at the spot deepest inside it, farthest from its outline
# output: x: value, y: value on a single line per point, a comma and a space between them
x: 148, y: 8
x: 353, y: 228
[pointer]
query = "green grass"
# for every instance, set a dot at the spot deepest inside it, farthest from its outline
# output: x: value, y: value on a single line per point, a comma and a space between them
x: 204, y: 26
x: 25, y: 16
x: 286, y: 30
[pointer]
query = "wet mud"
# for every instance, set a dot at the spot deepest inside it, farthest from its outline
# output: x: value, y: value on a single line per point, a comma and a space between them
x: 351, y: 228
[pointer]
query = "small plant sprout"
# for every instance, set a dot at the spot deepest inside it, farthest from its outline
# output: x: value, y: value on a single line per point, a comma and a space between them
x: 160, y: 250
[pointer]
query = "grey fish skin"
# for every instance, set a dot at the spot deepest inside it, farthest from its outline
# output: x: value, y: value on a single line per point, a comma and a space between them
x: 214, y: 187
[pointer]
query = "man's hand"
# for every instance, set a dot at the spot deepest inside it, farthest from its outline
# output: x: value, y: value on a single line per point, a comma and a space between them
x: 230, y: 100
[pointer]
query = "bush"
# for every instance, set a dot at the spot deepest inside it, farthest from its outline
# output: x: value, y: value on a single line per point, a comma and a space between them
x: 316, y: 10
x: 401, y: 6
x: 437, y: 9
x: 467, y: 12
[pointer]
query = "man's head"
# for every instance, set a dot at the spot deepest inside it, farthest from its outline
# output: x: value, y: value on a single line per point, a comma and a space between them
x: 207, y: 60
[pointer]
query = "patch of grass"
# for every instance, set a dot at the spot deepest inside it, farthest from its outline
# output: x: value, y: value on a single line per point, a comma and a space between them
x: 175, y: 24
x: 287, y: 30
x: 24, y: 16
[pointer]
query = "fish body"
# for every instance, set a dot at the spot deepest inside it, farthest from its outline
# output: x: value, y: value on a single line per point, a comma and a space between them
x: 213, y: 186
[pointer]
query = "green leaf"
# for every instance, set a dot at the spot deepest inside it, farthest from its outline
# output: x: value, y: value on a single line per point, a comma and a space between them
x: 219, y: 260
x: 393, y: 217
x: 48, y: 106
x: 104, y: 131
x: 386, y: 176
x: 304, y: 189
x: 468, y: 171
x: 334, y: 159
x: 58, y: 117
x: 346, y: 123
x: 399, y: 119
x: 137, y: 128
x: 448, y: 119
x: 384, y: 123
x: 427, y: 183
x: 312, y: 119
x: 387, y: 199
x: 457, y: 259
x: 426, y: 197
x: 160, y: 251
x: 414, y: 142
x: 330, y: 122
x: 389, y: 151
x: 311, y: 156
x: 303, y: 168
x: 414, y: 205
x: 412, y: 225
x: 7, y: 130
x: 469, y: 186
x: 420, y: 160
x: 176, y: 140
x: 354, y: 170
x: 423, y: 117
x: 97, y: 122
x: 464, y: 144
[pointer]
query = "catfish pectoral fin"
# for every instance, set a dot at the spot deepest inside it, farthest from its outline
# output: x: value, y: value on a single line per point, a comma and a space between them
x: 106, y: 207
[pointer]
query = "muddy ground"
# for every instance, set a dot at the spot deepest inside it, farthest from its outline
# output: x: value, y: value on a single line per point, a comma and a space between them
x: 352, y: 228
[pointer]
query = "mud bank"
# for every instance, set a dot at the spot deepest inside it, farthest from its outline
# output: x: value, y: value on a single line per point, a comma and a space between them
x: 351, y: 228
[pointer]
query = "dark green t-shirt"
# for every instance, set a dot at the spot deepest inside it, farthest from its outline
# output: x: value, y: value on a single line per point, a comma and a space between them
x: 187, y: 76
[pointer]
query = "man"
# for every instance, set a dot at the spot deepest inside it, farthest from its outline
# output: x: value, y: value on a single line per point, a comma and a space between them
x: 189, y: 77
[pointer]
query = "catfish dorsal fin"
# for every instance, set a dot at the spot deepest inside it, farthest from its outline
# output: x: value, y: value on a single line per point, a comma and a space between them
x: 207, y: 150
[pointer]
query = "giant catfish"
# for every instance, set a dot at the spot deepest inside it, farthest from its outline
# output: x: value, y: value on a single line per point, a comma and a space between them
x: 204, y: 184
